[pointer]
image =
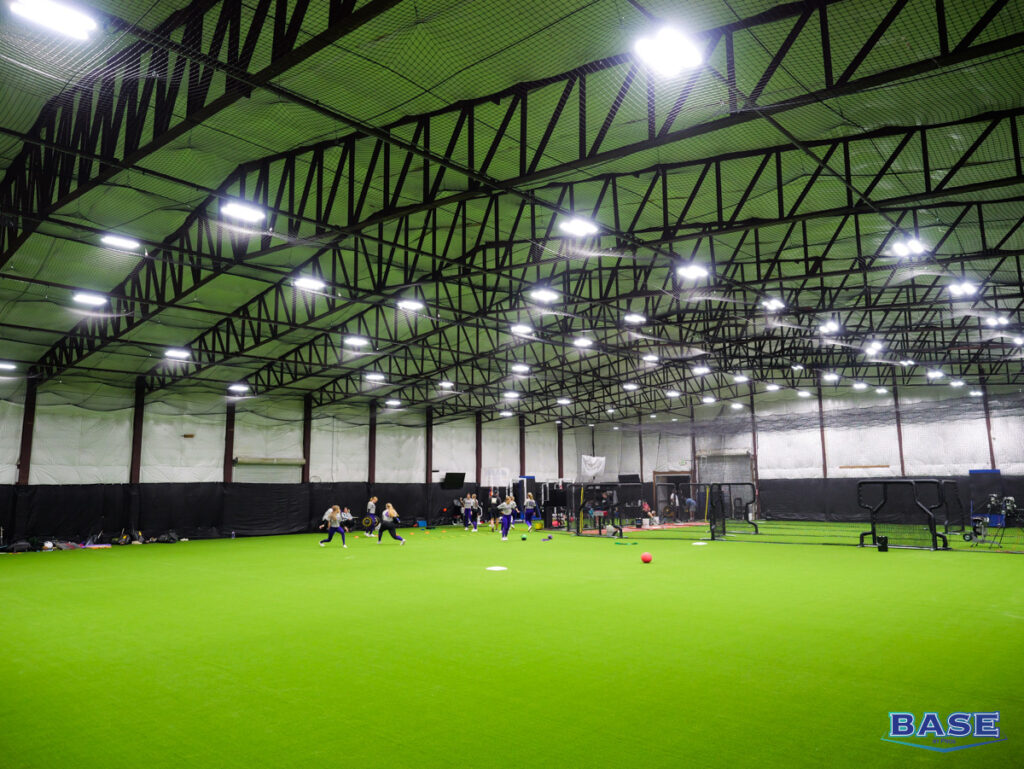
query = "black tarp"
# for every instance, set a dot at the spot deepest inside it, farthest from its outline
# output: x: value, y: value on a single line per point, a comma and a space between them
x: 256, y: 509
x: 192, y: 510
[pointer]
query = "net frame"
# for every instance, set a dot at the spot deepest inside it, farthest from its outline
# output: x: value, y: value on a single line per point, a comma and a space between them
x: 902, y: 533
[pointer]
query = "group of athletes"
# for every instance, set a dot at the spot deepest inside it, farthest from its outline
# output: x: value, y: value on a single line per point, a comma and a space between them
x: 339, y: 520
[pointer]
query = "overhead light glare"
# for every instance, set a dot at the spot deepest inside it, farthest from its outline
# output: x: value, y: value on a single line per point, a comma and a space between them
x: 178, y: 353
x: 708, y: 399
x: 907, y: 362
x: 772, y: 387
x: 829, y: 327
x: 578, y: 228
x: 692, y: 272
x: 1018, y: 340
x: 582, y: 341
x: 410, y: 304
x: 239, y: 388
x: 736, y: 406
x: 392, y: 402
x: 935, y: 374
x: 375, y: 377
x: 630, y: 386
x: 740, y: 378
x: 446, y: 385
x: 634, y: 317
x: 668, y: 52
x: 90, y: 300
x: 701, y: 370
x: 55, y: 16
x: 511, y: 395
x: 881, y: 390
x: 520, y: 368
x: 773, y: 305
x: 116, y: 241
x: 356, y: 341
x: 563, y: 401
x: 242, y: 212
x: 797, y: 367
x: 544, y: 295
x: 520, y: 329
x: 830, y: 377
x: 957, y: 383
x: 505, y: 413
x: 672, y: 393
x: 803, y: 393
x: 964, y: 288
x: 915, y: 246
x: 995, y: 322
x: 860, y: 386
x: 5, y: 366
x: 306, y: 283
x: 651, y: 358
x: 976, y: 393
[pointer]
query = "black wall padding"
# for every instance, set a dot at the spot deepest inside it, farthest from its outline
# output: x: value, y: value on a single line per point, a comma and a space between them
x: 256, y: 509
x: 70, y: 512
x: 193, y: 510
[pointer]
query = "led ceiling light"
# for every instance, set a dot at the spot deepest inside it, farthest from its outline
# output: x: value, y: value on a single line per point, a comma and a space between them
x: 520, y: 329
x: 965, y: 288
x: 306, y: 283
x: 701, y: 370
x: 392, y: 402
x: 994, y: 322
x: 505, y: 413
x: 582, y: 341
x: 520, y: 368
x: 708, y: 399
x: 1018, y: 340
x: 797, y: 367
x: 830, y: 377
x: 356, y: 341
x: 935, y: 374
x: 630, y: 386
x: 651, y: 358
x: 116, y: 241
x: 881, y: 390
x: 178, y: 353
x: 60, y: 18
x: 829, y: 327
x: 736, y: 406
x: 976, y: 393
x: 672, y: 393
x: 859, y: 386
x: 772, y: 387
x: 375, y: 377
x: 907, y: 362
x: 242, y: 212
x: 773, y: 305
x: 578, y: 228
x: 668, y: 52
x: 239, y: 388
x: 446, y: 385
x: 90, y: 300
x: 410, y: 305
x: 956, y: 383
x: 634, y: 317
x: 803, y: 393
x: 5, y: 366
x: 692, y: 272
x: 740, y: 379
x: 511, y: 395
x: 544, y: 295
x: 563, y: 401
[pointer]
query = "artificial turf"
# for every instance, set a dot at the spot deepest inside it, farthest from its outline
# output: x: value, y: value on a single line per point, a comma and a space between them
x: 273, y: 652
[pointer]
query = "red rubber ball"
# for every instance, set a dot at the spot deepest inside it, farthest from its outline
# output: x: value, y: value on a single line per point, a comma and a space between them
x: 646, y: 557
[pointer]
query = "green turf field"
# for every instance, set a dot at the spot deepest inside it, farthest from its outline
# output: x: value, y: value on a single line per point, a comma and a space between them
x: 273, y: 652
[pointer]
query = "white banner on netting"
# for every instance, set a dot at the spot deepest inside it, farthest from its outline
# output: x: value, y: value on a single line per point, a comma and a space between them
x: 591, y: 467
x: 497, y: 476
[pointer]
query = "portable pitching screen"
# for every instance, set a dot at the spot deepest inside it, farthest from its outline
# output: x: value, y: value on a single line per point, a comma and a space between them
x: 902, y: 511
x: 731, y: 509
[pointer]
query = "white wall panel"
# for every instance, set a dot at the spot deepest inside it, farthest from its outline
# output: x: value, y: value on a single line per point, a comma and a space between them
x: 339, y: 450
x: 73, y: 445
x: 455, y: 449
x: 673, y: 453
x: 1008, y: 444
x: 542, y: 452
x: 500, y: 453
x: 401, y: 454
x: 169, y: 457
x: 10, y: 440
x: 860, y: 432
x: 943, y: 432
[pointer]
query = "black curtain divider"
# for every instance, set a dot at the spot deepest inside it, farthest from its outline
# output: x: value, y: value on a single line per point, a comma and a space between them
x: 198, y: 510
x: 257, y: 509
x: 193, y: 510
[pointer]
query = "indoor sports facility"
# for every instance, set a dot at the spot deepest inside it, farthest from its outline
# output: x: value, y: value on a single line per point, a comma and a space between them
x: 576, y: 383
